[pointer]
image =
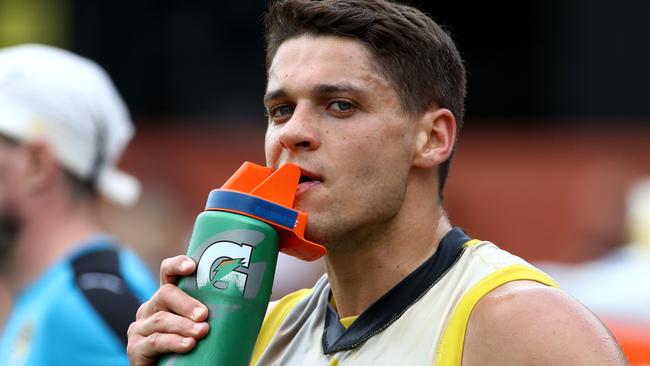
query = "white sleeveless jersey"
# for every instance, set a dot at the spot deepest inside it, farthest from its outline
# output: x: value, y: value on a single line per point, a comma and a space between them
x: 422, y: 321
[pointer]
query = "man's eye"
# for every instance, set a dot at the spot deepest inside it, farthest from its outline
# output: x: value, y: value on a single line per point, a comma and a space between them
x: 281, y: 111
x: 342, y: 106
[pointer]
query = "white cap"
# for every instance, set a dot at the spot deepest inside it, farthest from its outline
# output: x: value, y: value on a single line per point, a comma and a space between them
x: 48, y: 94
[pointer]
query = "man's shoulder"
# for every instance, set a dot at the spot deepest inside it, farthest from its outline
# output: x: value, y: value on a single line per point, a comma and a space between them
x: 523, y: 321
x: 288, y: 301
x: 137, y: 274
x: 55, y: 329
x: 276, y: 313
x: 104, y: 254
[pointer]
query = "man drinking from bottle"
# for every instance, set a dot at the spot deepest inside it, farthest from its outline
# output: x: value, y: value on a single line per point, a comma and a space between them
x: 366, y: 96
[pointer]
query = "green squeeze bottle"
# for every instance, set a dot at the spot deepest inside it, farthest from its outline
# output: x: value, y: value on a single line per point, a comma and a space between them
x: 235, y: 243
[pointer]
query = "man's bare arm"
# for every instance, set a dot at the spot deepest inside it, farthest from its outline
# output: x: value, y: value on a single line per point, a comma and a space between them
x: 526, y: 323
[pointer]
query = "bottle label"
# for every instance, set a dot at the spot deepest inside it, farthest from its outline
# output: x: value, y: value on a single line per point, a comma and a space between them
x: 224, y: 264
x: 227, y: 263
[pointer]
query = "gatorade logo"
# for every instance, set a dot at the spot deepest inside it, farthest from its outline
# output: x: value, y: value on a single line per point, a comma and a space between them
x: 224, y: 263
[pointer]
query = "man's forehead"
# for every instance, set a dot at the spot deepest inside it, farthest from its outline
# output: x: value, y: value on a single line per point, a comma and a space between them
x: 319, y: 45
x: 314, y: 61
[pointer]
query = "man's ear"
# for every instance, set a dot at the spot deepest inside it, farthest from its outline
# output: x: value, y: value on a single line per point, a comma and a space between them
x: 435, y: 137
x: 40, y: 167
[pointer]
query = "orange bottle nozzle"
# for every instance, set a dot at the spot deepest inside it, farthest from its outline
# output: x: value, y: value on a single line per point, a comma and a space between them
x: 268, y: 195
x: 247, y: 177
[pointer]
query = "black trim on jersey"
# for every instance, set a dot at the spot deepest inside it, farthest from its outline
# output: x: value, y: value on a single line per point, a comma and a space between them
x: 395, y: 302
x: 97, y: 275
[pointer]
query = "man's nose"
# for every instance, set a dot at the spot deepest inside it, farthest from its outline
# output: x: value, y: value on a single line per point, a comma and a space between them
x: 301, y: 131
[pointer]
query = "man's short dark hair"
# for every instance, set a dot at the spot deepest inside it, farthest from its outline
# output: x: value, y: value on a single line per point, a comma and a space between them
x: 412, y: 51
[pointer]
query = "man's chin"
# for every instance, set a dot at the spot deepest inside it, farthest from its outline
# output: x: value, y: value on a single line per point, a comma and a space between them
x: 323, y: 234
x: 314, y: 231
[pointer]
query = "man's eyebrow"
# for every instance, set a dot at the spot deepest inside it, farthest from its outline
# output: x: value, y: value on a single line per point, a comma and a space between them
x: 275, y: 94
x: 316, y: 90
x: 336, y: 88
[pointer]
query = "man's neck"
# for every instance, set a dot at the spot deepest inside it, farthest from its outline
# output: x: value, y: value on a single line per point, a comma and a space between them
x: 44, y: 239
x: 360, y: 274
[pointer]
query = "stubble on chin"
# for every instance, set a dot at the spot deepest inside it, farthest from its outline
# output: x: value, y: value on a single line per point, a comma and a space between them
x: 319, y: 230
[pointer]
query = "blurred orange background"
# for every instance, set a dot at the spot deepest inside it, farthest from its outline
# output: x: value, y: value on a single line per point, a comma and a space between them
x: 543, y: 194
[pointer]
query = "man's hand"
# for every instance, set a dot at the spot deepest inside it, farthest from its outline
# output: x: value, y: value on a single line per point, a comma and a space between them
x: 171, y: 321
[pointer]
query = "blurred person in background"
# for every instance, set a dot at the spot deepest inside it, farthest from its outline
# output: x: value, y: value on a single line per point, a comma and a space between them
x: 616, y: 284
x: 74, y: 289
x: 4, y: 302
x: 367, y: 97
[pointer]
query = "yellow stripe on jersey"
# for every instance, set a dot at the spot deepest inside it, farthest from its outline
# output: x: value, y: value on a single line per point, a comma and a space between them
x: 348, y: 320
x: 450, y: 350
x: 471, y: 243
x: 274, y: 319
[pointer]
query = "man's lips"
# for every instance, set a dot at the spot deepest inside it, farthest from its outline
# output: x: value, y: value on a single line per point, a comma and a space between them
x: 307, y: 181
x: 305, y: 186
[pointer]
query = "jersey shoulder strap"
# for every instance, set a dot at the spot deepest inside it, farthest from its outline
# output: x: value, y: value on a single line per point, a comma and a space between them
x: 98, y: 276
x: 450, y: 350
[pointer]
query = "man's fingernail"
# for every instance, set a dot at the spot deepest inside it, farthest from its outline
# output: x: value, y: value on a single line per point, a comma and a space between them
x: 186, y: 341
x: 186, y: 265
x: 197, y: 313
